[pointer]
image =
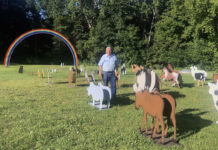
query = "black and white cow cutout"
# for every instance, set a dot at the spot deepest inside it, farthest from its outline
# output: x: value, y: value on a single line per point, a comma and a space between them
x: 146, y: 80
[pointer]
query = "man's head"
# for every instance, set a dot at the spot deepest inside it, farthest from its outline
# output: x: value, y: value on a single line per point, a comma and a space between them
x: 108, y: 51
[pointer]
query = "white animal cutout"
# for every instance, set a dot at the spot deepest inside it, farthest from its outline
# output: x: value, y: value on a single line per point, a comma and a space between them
x: 99, y: 93
x: 214, y: 92
x: 195, y: 70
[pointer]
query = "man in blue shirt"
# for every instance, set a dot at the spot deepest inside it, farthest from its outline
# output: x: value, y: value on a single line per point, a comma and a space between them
x: 109, y: 65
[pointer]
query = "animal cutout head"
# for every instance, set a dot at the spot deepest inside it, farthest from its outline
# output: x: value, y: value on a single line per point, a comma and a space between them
x: 140, y: 98
x: 136, y: 68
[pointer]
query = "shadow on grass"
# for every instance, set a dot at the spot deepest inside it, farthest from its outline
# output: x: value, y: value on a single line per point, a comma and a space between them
x: 188, y: 85
x: 79, y: 85
x: 122, y: 100
x: 175, y: 94
x: 64, y: 82
x: 126, y: 85
x: 189, y: 123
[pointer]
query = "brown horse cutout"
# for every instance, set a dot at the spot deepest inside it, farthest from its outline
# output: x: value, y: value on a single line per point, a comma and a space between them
x: 156, y: 105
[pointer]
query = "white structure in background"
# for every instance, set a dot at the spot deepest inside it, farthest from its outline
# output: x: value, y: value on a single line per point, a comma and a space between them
x: 99, y: 95
x: 214, y: 92
x: 81, y: 68
x: 62, y: 64
x: 194, y: 70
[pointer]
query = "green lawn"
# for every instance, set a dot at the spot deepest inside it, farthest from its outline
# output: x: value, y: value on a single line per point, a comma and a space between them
x: 34, y: 115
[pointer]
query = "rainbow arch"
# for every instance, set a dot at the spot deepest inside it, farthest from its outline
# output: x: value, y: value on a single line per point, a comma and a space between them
x: 23, y: 36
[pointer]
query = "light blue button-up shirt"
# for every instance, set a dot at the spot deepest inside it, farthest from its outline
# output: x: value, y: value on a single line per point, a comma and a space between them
x: 108, y: 63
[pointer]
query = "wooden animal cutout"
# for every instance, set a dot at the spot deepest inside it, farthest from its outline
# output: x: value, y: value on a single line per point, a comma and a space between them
x: 147, y: 80
x: 38, y: 73
x: 174, y: 76
x: 194, y: 70
x: 86, y: 76
x: 199, y: 75
x: 92, y: 77
x: 123, y: 69
x: 70, y: 76
x: 99, y: 94
x: 20, y: 69
x: 74, y: 76
x: 154, y: 105
x: 43, y: 74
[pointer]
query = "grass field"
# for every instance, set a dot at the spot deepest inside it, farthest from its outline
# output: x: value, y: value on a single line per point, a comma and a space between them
x: 35, y: 115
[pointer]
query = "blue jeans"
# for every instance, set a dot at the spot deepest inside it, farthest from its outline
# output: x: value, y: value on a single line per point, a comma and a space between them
x: 110, y: 76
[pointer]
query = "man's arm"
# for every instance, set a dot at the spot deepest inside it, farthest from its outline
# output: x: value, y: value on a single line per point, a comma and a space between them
x: 116, y: 66
x: 99, y: 69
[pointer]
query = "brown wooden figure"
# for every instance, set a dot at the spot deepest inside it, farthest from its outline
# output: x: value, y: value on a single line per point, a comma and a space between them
x: 74, y: 75
x: 38, y: 73
x: 157, y: 105
x: 70, y: 76
x: 43, y: 74
x: 152, y: 105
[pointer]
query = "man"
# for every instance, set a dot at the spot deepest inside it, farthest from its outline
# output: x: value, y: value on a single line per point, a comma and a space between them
x: 109, y: 65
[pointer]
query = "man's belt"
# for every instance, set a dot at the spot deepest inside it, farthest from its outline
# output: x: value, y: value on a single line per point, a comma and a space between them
x: 108, y: 71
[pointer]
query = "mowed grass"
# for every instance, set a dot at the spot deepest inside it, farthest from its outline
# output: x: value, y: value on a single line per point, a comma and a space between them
x: 35, y: 115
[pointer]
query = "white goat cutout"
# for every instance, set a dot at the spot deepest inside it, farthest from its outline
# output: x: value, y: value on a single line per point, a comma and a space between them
x: 99, y: 94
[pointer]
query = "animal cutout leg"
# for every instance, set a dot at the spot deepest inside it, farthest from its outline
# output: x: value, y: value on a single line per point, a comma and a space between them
x: 177, y: 84
x: 143, y: 120
x: 167, y: 126
x: 155, y: 128
x: 162, y: 128
x: 198, y: 83
x: 146, y: 124
x: 174, y: 125
x: 100, y: 107
x: 108, y: 104
x: 152, y: 124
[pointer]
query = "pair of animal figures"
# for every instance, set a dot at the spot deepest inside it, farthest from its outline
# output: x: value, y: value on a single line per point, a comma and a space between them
x: 214, y: 92
x: 153, y: 103
x: 199, y: 75
x: 168, y: 75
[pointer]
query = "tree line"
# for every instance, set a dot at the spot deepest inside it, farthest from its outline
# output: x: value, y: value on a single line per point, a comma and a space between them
x: 147, y: 32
